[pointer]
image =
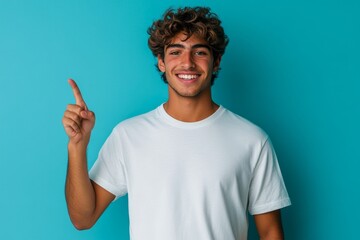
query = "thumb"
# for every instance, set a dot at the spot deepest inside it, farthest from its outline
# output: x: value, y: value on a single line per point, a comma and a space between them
x: 89, y: 115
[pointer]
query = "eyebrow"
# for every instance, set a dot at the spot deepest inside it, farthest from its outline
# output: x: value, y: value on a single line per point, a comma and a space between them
x: 177, y: 45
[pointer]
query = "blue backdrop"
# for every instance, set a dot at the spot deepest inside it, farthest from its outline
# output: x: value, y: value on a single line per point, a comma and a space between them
x: 291, y: 67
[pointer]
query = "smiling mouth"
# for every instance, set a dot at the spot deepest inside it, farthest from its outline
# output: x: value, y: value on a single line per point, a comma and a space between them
x: 188, y: 76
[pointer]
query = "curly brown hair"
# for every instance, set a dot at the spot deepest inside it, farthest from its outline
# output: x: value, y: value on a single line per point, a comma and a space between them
x: 197, y: 20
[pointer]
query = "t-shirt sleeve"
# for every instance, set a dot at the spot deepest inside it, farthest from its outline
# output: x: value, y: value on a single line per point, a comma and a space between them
x: 267, y: 189
x: 108, y: 170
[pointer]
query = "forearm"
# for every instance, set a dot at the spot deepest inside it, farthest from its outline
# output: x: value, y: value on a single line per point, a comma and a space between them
x: 80, y: 195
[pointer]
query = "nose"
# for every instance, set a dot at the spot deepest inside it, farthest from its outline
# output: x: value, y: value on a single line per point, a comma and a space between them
x: 187, y: 60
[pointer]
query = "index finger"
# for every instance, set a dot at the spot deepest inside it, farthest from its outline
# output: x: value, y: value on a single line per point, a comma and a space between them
x: 78, y: 97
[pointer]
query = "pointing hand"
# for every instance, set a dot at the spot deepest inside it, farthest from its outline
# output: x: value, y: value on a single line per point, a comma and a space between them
x: 78, y: 121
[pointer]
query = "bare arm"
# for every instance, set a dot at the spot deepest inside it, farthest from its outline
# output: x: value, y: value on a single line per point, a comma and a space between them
x: 269, y: 225
x: 85, y: 199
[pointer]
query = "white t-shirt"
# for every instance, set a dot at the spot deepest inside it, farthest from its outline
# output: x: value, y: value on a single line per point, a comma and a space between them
x: 191, y: 180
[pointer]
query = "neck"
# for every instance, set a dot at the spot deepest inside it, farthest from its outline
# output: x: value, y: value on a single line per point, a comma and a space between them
x: 190, y: 109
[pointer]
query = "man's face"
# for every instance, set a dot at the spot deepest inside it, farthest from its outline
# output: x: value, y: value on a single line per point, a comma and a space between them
x: 188, y: 65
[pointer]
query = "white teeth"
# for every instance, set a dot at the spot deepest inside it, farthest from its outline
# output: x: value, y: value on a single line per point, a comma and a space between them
x: 185, y: 76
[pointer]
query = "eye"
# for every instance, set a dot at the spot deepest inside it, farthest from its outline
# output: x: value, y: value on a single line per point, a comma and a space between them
x: 174, y: 53
x: 201, y: 53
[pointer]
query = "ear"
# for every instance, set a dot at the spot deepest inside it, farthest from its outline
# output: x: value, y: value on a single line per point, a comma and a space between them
x: 217, y: 63
x: 161, y: 64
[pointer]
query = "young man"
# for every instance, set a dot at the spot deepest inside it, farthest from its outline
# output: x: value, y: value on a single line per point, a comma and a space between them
x: 191, y: 168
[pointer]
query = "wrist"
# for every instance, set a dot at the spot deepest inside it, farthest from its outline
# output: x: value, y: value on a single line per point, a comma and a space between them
x: 79, y: 141
x: 79, y: 146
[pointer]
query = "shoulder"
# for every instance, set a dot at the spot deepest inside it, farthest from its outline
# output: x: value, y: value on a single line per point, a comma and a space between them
x: 138, y: 122
x: 240, y: 123
x: 243, y: 127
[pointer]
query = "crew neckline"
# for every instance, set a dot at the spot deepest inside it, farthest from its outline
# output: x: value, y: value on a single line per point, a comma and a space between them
x: 189, y: 125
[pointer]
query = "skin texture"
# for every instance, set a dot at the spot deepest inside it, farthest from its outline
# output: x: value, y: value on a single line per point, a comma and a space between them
x: 269, y: 225
x: 85, y: 200
x: 189, y: 100
x: 188, y: 64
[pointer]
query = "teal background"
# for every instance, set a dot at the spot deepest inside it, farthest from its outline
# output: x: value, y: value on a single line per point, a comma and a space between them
x: 292, y: 67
